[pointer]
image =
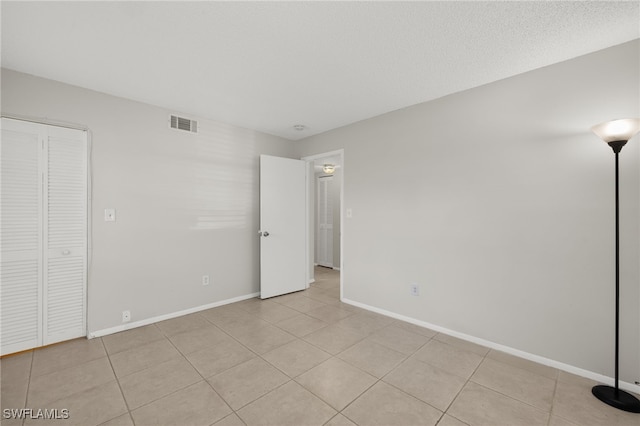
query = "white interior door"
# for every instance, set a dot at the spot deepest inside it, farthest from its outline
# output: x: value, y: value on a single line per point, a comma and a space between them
x: 325, y: 222
x: 282, y: 226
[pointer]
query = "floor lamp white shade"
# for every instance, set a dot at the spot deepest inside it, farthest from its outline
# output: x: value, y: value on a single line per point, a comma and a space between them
x: 617, y: 130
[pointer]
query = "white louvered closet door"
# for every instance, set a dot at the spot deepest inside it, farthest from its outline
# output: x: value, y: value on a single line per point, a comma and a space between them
x: 65, y: 254
x: 21, y: 232
x: 44, y: 234
x: 325, y: 222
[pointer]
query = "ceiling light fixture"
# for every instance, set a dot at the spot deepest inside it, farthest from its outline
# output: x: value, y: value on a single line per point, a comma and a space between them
x: 329, y: 168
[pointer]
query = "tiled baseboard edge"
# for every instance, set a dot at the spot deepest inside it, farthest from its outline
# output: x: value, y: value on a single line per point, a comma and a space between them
x: 515, y: 352
x: 152, y: 320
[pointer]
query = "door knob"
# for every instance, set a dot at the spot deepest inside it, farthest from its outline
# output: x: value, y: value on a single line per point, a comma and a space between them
x: 265, y: 234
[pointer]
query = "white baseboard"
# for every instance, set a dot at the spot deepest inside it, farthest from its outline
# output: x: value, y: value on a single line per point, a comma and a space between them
x: 516, y: 352
x: 141, y: 323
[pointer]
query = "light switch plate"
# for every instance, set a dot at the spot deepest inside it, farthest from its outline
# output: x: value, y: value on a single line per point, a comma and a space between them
x: 109, y: 215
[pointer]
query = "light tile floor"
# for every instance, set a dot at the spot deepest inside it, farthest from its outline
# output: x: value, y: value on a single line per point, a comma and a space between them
x: 299, y: 359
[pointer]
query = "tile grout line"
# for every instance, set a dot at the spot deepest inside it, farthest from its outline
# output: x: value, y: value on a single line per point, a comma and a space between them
x: 510, y: 396
x: 299, y: 338
x: 465, y: 383
x: 332, y: 356
x: 246, y: 347
x: 126, y: 403
x: 264, y: 395
x: 204, y: 378
x: 378, y: 379
x: 177, y: 390
x: 407, y: 393
x: 485, y: 357
x: 106, y: 355
x: 290, y: 379
x: 381, y: 379
x: 26, y: 396
x: 197, y: 371
x: 334, y: 416
x: 553, y: 399
x: 146, y: 368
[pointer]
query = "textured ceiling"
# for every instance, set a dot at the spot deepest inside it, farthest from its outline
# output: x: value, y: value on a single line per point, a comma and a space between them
x: 270, y: 65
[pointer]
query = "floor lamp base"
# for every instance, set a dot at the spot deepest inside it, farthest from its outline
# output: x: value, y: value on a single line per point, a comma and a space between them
x: 617, y: 398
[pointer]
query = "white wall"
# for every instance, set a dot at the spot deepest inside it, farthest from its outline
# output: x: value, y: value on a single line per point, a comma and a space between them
x: 498, y: 201
x: 187, y: 204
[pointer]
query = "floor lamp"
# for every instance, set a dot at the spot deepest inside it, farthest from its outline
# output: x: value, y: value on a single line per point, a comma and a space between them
x: 616, y: 133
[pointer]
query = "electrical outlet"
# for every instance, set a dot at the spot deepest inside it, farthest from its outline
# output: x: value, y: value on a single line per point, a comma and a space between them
x: 126, y: 316
x: 205, y: 280
x: 414, y: 289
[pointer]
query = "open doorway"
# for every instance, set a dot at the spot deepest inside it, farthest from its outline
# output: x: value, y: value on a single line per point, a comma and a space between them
x: 325, y: 178
x: 327, y: 283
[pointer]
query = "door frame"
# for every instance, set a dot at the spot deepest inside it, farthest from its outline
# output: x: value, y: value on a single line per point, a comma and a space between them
x: 310, y: 202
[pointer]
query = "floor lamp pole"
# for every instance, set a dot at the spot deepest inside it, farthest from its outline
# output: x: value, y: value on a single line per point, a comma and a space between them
x: 617, y: 369
x: 614, y: 396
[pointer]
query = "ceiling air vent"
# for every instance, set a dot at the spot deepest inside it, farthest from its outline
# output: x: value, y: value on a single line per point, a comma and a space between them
x: 182, y: 123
